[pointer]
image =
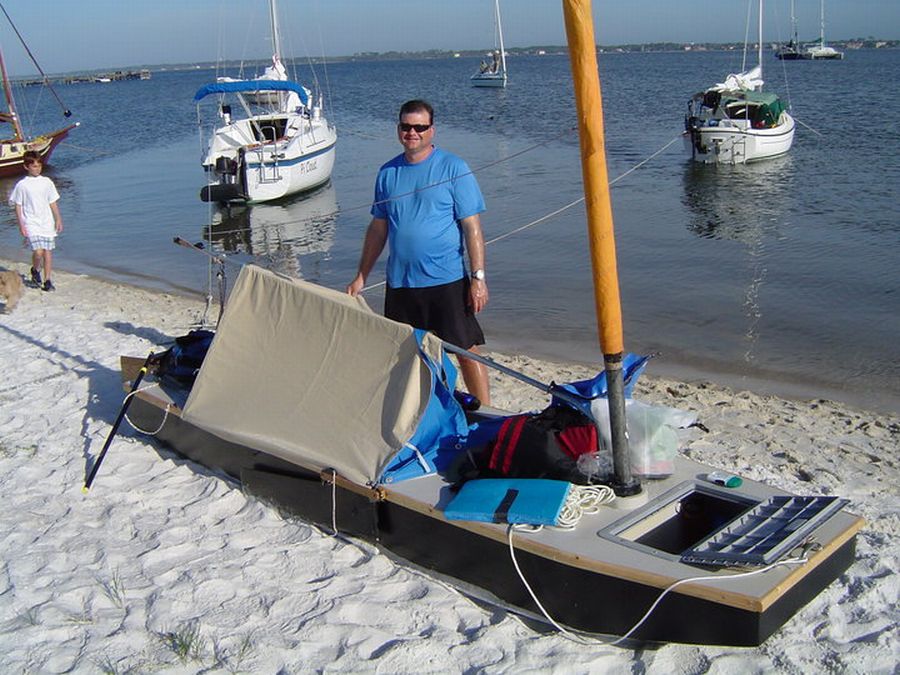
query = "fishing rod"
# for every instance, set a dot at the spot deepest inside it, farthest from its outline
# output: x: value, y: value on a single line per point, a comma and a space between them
x: 115, y: 427
x: 66, y: 111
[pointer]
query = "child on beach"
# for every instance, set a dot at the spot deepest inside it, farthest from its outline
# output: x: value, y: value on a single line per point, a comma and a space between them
x: 35, y: 198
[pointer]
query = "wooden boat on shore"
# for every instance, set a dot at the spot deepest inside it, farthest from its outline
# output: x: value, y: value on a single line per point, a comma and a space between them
x: 312, y: 401
x: 308, y: 449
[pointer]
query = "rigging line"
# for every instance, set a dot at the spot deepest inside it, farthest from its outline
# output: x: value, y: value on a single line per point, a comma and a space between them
x: 471, y: 172
x: 559, y: 210
x: 66, y: 111
x: 805, y: 125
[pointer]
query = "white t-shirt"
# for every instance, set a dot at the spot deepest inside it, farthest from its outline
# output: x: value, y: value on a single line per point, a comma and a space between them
x: 35, y: 194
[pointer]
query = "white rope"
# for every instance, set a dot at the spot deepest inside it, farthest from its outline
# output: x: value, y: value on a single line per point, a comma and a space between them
x: 135, y: 426
x: 585, y: 640
x: 334, y: 530
x: 559, y: 210
x: 583, y: 500
x: 806, y: 126
x: 789, y: 561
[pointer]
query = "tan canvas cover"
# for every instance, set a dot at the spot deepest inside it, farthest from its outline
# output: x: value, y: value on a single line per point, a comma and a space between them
x: 312, y: 376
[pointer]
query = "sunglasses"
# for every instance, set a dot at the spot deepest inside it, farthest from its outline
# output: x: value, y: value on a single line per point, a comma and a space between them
x: 418, y: 128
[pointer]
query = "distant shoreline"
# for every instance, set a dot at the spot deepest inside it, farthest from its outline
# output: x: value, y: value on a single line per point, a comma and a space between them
x: 537, y: 50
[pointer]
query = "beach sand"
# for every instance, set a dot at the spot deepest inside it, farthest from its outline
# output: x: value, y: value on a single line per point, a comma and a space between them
x: 165, y: 567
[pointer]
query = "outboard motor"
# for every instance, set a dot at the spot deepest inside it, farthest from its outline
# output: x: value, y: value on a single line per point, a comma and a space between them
x: 222, y: 193
x: 225, y: 166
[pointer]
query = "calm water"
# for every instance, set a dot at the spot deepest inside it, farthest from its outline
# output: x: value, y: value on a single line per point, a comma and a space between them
x: 783, y: 273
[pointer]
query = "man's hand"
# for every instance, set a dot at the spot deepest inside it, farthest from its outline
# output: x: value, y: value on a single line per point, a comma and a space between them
x: 355, y: 286
x: 478, y: 295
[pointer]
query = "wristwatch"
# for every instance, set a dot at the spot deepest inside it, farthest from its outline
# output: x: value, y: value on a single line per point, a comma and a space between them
x: 478, y: 274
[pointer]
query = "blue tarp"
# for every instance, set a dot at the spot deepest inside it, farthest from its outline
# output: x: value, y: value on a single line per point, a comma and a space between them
x: 252, y: 86
x: 441, y: 431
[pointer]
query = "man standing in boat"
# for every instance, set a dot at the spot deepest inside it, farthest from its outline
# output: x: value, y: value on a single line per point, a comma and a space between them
x: 427, y: 206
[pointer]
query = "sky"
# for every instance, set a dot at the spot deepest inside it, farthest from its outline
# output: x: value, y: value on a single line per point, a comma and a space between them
x: 75, y: 35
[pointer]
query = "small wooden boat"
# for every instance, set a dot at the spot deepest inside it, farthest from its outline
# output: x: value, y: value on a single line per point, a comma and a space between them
x: 347, y: 419
x: 260, y: 415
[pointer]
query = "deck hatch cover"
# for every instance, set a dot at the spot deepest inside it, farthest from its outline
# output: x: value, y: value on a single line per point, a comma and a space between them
x: 764, y: 533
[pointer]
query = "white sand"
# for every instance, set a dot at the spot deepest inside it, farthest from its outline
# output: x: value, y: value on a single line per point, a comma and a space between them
x: 164, y: 567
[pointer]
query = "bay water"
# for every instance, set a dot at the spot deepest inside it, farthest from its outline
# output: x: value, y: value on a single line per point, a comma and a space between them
x: 779, y: 276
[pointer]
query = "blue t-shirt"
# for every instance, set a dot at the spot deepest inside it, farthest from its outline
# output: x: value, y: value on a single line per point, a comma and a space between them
x: 423, y: 204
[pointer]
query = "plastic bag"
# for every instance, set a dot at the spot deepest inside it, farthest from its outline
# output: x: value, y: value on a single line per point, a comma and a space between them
x: 652, y: 438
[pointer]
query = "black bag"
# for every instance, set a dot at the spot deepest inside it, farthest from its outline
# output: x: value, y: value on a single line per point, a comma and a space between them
x: 545, y: 445
x: 182, y: 361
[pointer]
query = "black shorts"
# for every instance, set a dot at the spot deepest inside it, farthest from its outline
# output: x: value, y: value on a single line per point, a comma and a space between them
x: 444, y: 310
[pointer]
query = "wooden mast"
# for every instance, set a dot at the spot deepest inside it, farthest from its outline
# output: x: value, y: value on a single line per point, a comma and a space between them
x: 10, y: 116
x: 589, y: 105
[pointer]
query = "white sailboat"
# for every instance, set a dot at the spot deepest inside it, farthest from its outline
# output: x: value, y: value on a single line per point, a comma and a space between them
x: 736, y: 122
x: 493, y: 74
x: 282, y: 145
x: 821, y: 50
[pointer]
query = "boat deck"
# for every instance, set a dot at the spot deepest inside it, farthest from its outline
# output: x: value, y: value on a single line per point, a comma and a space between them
x: 617, y: 554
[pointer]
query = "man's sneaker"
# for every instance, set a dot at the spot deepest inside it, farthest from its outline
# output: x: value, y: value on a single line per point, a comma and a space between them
x: 35, y: 277
x: 48, y: 286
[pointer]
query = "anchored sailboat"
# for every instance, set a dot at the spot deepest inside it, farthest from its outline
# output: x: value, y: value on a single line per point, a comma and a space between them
x: 283, y: 144
x: 821, y: 50
x: 735, y: 121
x: 791, y: 50
x: 493, y: 74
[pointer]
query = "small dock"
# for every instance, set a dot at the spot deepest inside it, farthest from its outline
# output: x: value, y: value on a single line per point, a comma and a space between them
x: 84, y: 78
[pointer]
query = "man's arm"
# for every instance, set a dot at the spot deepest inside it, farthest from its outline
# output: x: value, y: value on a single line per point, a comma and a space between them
x: 373, y: 245
x: 478, y: 290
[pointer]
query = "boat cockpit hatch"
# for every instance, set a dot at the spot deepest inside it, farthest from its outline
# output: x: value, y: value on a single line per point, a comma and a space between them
x: 699, y: 523
x: 268, y: 130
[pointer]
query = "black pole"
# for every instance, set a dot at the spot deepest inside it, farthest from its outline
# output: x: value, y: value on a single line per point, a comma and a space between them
x: 625, y: 485
x: 122, y: 411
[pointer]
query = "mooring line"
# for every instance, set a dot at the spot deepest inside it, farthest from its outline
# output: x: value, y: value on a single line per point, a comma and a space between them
x: 806, y: 126
x: 559, y: 210
x: 81, y: 147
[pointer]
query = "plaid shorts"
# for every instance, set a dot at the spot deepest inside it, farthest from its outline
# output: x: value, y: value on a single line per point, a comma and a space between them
x: 46, y: 243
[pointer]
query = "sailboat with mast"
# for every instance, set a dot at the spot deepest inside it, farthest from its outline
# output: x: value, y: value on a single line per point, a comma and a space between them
x: 281, y: 145
x: 735, y: 121
x: 821, y: 50
x: 493, y: 74
x: 791, y: 50
x: 13, y: 148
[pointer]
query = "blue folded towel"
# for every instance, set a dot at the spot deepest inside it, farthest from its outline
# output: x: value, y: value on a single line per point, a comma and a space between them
x: 531, y: 501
